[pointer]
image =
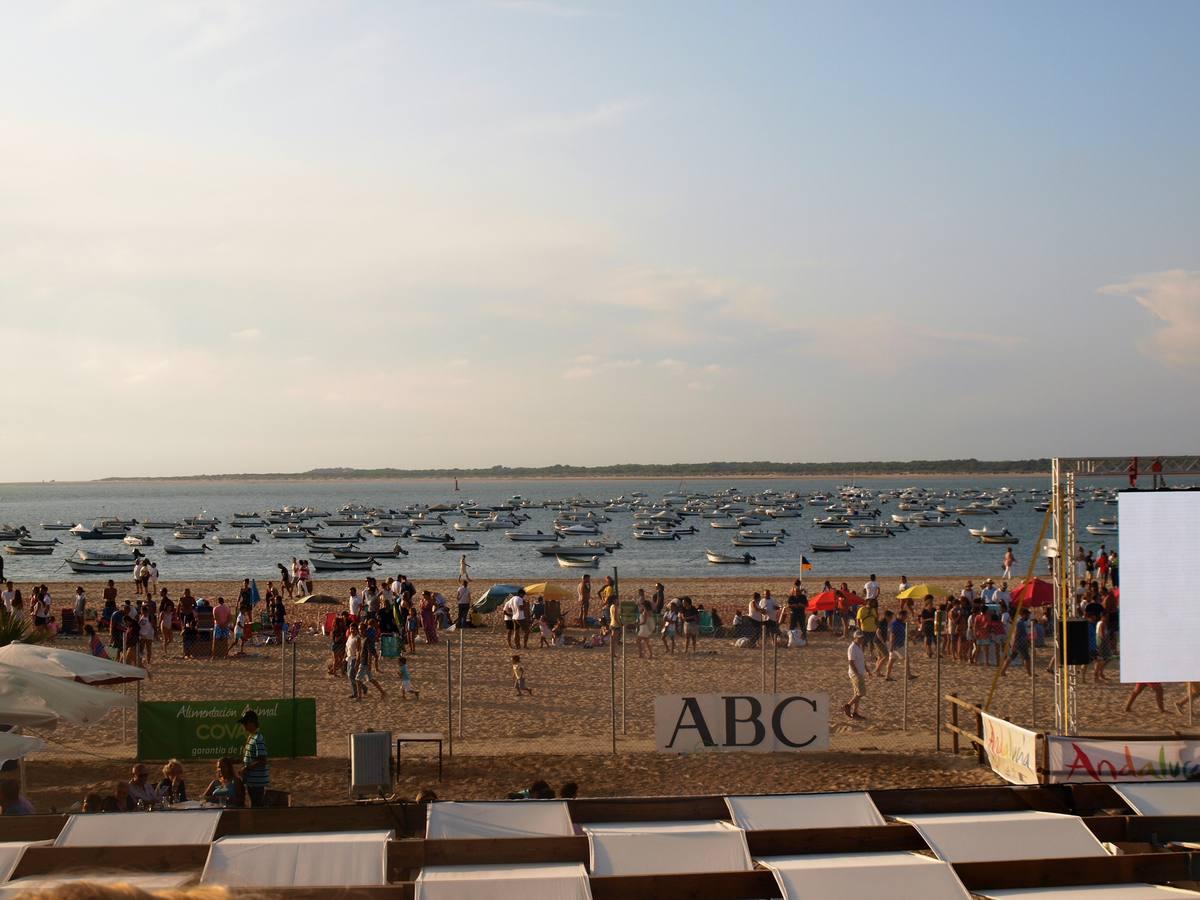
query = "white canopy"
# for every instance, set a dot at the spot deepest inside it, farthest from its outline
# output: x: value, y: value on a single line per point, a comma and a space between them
x: 60, y: 663
x: 147, y: 882
x: 18, y: 746
x: 998, y: 836
x: 804, y: 811
x: 649, y: 848
x: 821, y: 875
x: 138, y: 829
x: 335, y: 859
x: 1170, y: 798
x: 529, y: 881
x: 11, y: 853
x: 31, y: 698
x: 1094, y: 892
x: 499, y: 818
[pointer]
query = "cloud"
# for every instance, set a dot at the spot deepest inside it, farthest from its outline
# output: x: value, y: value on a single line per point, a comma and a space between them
x: 589, y: 366
x: 247, y: 335
x: 542, y: 8
x: 602, y: 115
x: 673, y: 365
x: 579, y: 372
x: 586, y: 359
x: 1173, y: 298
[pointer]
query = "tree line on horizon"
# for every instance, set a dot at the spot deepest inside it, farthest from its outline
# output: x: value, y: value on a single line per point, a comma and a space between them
x: 669, y: 470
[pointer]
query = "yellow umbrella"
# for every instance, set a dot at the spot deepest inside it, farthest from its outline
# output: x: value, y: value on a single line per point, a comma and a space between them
x: 916, y: 592
x: 549, y: 591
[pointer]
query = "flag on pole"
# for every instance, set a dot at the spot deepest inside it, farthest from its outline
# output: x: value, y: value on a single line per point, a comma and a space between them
x: 805, y: 565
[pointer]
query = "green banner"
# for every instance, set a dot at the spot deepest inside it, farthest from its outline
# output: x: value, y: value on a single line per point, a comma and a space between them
x: 209, y: 729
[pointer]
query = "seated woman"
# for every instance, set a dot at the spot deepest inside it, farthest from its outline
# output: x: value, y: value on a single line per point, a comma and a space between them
x: 95, y: 645
x: 172, y: 788
x: 227, y: 788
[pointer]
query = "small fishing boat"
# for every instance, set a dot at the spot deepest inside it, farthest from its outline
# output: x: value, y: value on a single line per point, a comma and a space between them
x: 108, y: 556
x: 723, y: 559
x: 579, y: 562
x: 724, y: 523
x: 353, y: 538
x: 86, y: 566
x: 432, y: 538
x: 343, y: 565
x: 95, y: 533
x: 390, y: 531
x: 869, y: 531
x: 754, y: 542
x: 160, y: 525
x: 180, y: 550
x: 58, y: 526
x: 353, y: 553
x: 22, y: 550
x: 37, y: 542
x: 567, y: 551
x: 461, y: 545
x: 655, y: 536
x: 999, y: 539
x: 987, y: 531
x: 138, y: 540
x: 469, y: 526
x: 248, y: 522
x: 832, y: 548
x: 531, y: 536
x: 603, y: 544
x: 236, y: 539
x: 1102, y: 529
x: 289, y: 532
x: 940, y: 522
x: 190, y: 534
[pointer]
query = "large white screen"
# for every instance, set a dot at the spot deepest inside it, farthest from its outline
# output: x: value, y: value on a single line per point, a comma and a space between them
x: 1160, y: 609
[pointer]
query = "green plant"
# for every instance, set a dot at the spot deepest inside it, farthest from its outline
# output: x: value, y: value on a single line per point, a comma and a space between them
x: 15, y: 629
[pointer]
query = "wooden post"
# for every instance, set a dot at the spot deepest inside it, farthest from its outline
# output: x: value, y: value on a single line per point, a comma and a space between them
x: 954, y: 722
x: 979, y: 751
x: 937, y: 687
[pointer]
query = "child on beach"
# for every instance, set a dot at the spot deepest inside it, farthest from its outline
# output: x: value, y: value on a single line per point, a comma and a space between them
x: 406, y: 686
x: 365, y: 675
x: 519, y: 677
x: 411, y: 626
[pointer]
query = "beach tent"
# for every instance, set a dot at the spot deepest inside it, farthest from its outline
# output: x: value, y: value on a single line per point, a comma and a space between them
x: 1180, y: 798
x: 34, y: 699
x: 865, y: 875
x: 1128, y: 891
x: 59, y: 663
x: 494, y: 596
x: 1003, y: 836
x: 916, y: 592
x: 1034, y: 593
x: 550, y: 591
x: 647, y: 848
x: 787, y: 811
x: 319, y: 598
x: 139, y: 829
x: 498, y: 819
x: 337, y: 859
x: 836, y: 599
x: 525, y: 881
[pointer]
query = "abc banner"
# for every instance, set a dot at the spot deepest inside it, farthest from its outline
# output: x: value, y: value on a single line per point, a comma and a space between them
x: 209, y: 729
x: 745, y: 723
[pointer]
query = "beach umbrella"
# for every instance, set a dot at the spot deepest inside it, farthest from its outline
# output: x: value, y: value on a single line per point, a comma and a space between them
x: 550, y: 591
x: 18, y: 746
x: 916, y: 592
x: 59, y: 663
x: 37, y: 700
x: 827, y: 601
x: 318, y: 598
x: 1034, y: 593
x: 254, y: 594
x: 494, y: 596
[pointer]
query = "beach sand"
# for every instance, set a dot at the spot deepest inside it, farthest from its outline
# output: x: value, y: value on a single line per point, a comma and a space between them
x: 564, y: 730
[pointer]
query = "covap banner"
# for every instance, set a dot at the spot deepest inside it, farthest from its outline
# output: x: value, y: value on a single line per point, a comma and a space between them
x: 755, y: 723
x: 1011, y: 750
x: 1089, y: 760
x: 209, y: 729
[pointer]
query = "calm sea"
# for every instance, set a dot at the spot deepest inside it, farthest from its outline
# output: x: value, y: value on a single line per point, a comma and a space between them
x: 920, y: 551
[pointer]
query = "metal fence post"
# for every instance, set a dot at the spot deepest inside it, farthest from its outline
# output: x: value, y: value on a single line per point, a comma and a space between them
x: 612, y: 693
x: 461, y: 655
x: 937, y: 683
x: 449, y: 702
x: 904, y: 710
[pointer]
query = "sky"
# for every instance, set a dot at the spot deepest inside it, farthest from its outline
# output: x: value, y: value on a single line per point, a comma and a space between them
x: 271, y: 236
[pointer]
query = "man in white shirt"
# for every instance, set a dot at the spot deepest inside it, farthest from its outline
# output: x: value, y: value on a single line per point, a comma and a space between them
x: 989, y: 591
x: 357, y: 604
x: 871, y: 590
x: 464, y: 605
x: 754, y: 607
x: 903, y: 585
x: 857, y: 670
x: 770, y: 613
x: 6, y: 597
x: 1002, y: 596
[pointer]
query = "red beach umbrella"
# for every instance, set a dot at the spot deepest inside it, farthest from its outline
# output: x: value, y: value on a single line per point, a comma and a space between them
x: 1034, y: 593
x: 830, y: 600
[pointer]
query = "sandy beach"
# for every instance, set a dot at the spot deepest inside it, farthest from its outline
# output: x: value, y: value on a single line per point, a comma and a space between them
x: 564, y: 730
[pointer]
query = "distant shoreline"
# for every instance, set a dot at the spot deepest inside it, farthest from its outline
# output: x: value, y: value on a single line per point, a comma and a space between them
x: 494, y: 479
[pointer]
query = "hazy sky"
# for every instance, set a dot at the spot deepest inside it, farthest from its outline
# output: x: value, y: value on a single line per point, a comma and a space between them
x: 270, y: 236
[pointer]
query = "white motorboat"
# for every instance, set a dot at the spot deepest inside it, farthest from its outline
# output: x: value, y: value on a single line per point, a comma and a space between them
x: 138, y: 540
x: 190, y: 534
x: 724, y: 559
x: 553, y: 550
x: 870, y: 531
x: 86, y: 566
x: 940, y: 522
x: 1005, y: 538
x: 180, y: 550
x: 608, y: 546
x: 832, y: 548
x: 754, y: 542
x: 390, y: 531
x: 724, y: 523
x: 655, y: 536
x: 344, y: 565
x: 1102, y: 529
x: 432, y: 538
x: 579, y: 562
x: 531, y: 536
x: 987, y: 531
x: 58, y: 526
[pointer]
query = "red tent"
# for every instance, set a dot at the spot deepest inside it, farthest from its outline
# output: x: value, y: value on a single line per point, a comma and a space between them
x: 835, y: 599
x: 1034, y: 593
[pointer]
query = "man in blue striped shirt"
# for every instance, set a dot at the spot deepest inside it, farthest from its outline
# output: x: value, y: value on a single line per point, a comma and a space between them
x: 256, y: 774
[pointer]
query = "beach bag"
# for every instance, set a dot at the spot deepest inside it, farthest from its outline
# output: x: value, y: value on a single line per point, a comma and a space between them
x: 389, y: 647
x: 795, y: 639
x: 743, y: 642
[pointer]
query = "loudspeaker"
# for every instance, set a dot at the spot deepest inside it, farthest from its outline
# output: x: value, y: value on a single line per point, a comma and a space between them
x: 1078, y: 644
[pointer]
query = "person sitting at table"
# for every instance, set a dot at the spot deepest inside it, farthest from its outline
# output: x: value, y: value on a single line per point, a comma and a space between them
x: 172, y: 787
x: 12, y: 802
x: 124, y: 802
x: 140, y: 788
x: 226, y: 788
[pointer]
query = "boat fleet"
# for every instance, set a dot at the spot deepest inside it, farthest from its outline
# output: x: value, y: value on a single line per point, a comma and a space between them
x: 357, y: 537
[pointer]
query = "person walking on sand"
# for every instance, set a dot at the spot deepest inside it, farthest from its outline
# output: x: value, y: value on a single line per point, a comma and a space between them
x: 1156, y: 688
x: 406, y: 685
x: 645, y: 630
x: 518, y: 671
x: 857, y: 670
x: 584, y: 593
x: 463, y: 568
x: 464, y: 604
x: 365, y: 675
x: 1009, y: 561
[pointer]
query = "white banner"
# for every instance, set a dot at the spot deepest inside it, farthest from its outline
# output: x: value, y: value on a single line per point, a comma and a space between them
x: 1087, y: 760
x: 755, y: 723
x: 1011, y: 750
